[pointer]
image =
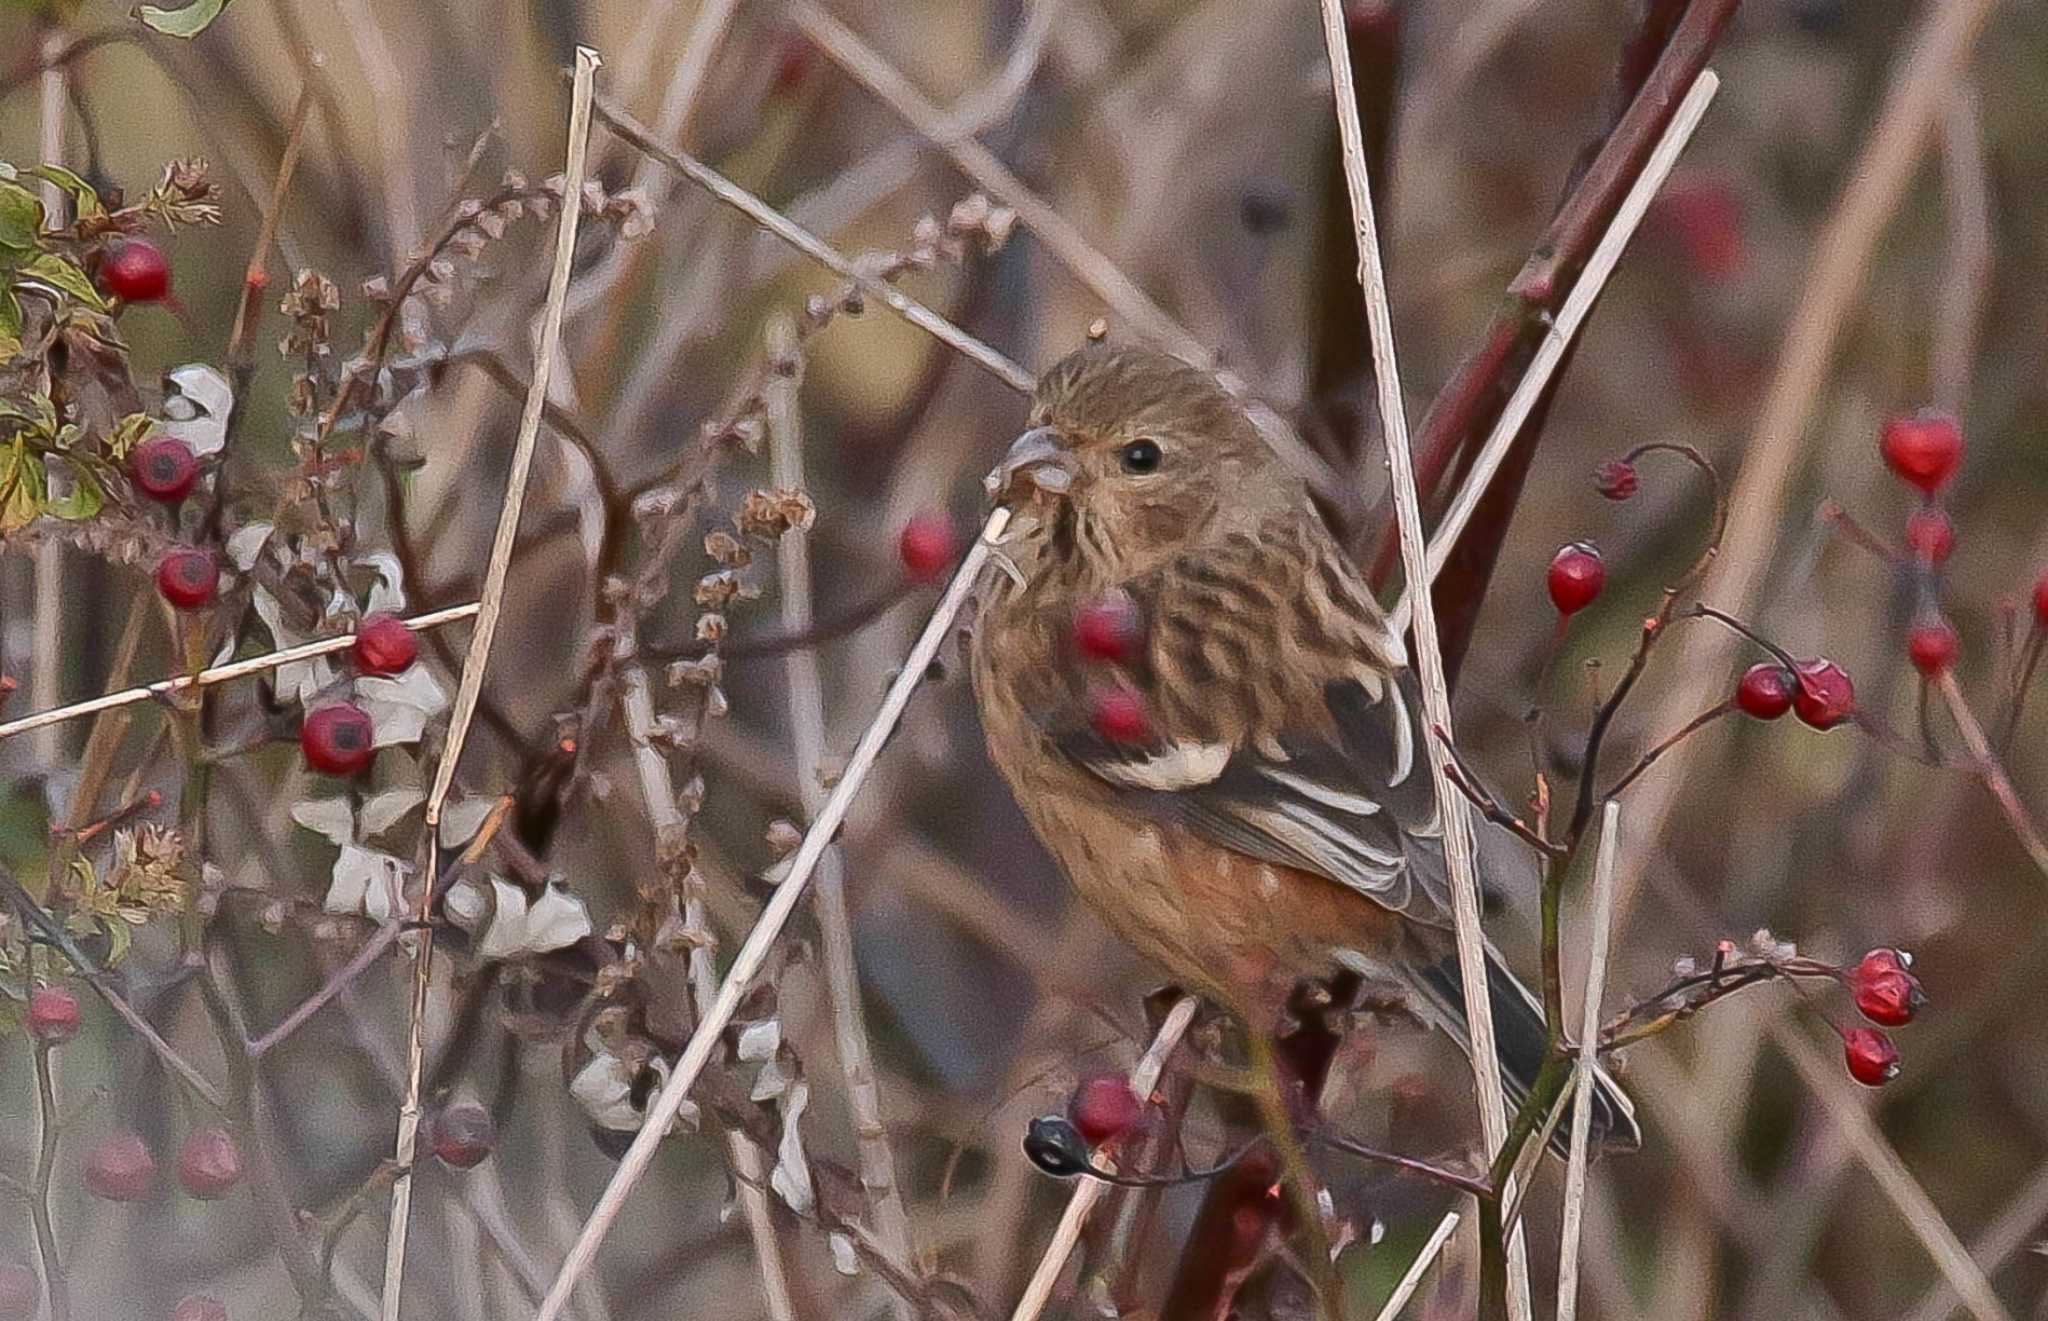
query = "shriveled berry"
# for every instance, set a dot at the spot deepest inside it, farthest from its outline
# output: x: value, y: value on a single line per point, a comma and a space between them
x: 1053, y: 1145
x: 53, y: 1014
x: 927, y: 547
x: 210, y: 1165
x: 188, y: 577
x: 1884, y: 988
x: 1766, y: 690
x: 20, y: 1291
x: 1932, y: 646
x: 199, y: 1307
x: 463, y: 1134
x: 338, y: 739
x: 1924, y: 449
x: 137, y: 272
x: 163, y: 468
x: 384, y: 645
x: 1119, y: 715
x: 1577, y: 574
x: 1929, y: 534
x: 119, y: 1168
x: 1872, y: 1058
x: 1826, y: 696
x: 1616, y: 479
x: 1104, y: 1107
x: 1109, y: 628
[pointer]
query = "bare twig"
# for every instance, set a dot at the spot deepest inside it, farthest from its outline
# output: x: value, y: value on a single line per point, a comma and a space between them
x: 491, y: 603
x: 1423, y: 1260
x: 1143, y: 1079
x: 372, y: 950
x: 1451, y: 805
x: 1993, y: 772
x: 1589, y: 1032
x: 47, y: 1126
x: 753, y: 954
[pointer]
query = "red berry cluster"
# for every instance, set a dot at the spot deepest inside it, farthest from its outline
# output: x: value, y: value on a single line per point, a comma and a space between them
x: 1887, y: 993
x: 120, y: 1169
x: 1925, y: 450
x: 1819, y: 691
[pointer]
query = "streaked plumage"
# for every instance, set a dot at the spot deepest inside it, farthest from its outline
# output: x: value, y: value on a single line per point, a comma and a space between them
x: 1275, y: 817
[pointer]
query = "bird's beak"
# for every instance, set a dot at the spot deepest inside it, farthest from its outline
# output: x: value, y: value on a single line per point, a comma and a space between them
x: 1036, y: 456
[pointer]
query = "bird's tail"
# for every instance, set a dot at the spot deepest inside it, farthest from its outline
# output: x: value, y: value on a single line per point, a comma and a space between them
x: 1521, y: 1040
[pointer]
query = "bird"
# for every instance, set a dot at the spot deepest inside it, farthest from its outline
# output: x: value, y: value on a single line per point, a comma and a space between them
x: 1209, y: 721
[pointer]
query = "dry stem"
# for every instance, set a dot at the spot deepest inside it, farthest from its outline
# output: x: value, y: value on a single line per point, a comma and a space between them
x: 1589, y: 1032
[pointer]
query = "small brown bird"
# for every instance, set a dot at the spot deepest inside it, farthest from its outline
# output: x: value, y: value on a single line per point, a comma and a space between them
x: 1206, y: 717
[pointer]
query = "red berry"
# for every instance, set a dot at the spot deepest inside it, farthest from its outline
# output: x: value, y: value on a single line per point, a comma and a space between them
x: 2041, y: 599
x: 120, y: 1168
x: 927, y: 547
x: 1884, y: 989
x: 199, y: 1307
x: 1616, y: 479
x: 1929, y: 534
x: 1766, y: 690
x: 210, y: 1165
x: 338, y: 739
x: 1924, y: 449
x: 1826, y: 697
x: 137, y: 272
x: 1119, y: 715
x: 52, y: 1015
x: 20, y: 1292
x: 384, y: 645
x: 1109, y: 628
x: 1576, y: 576
x: 1104, y: 1107
x: 1705, y: 218
x: 188, y: 577
x: 1932, y: 646
x: 163, y: 468
x: 1873, y: 1059
x: 463, y: 1133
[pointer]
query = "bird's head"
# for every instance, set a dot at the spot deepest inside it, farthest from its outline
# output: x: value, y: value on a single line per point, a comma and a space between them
x: 1131, y: 456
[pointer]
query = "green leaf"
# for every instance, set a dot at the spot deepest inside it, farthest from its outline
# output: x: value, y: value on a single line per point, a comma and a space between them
x: 23, y: 487
x: 82, y: 193
x: 60, y: 274
x: 126, y: 434
x: 21, y: 217
x: 10, y: 325
x: 85, y: 500
x: 187, y: 22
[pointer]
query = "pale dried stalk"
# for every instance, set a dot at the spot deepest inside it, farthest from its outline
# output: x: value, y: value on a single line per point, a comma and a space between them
x: 1589, y: 1033
x: 222, y: 673
x: 2015, y: 1227
x: 1423, y: 1260
x: 491, y: 605
x: 1993, y: 772
x: 828, y: 898
x: 1144, y: 1078
x: 1966, y: 274
x: 753, y: 954
x: 1453, y: 811
x: 1566, y: 325
x: 782, y: 227
x: 46, y: 657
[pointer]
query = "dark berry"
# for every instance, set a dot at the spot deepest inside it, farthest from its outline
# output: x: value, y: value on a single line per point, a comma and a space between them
x: 1053, y: 1145
x: 120, y: 1168
x: 1109, y: 628
x: 1104, y: 1107
x: 137, y: 272
x: 210, y: 1165
x: 1576, y: 576
x: 188, y: 577
x: 199, y: 1307
x: 338, y: 739
x: 927, y: 547
x: 463, y: 1133
x: 1766, y: 690
x: 21, y: 1293
x: 1884, y: 988
x: 163, y: 468
x: 384, y: 645
x: 1932, y: 646
x: 1872, y: 1058
x: 52, y: 1015
x: 1616, y: 479
x: 1924, y: 449
x: 1119, y: 715
x: 1929, y: 534
x: 1826, y: 697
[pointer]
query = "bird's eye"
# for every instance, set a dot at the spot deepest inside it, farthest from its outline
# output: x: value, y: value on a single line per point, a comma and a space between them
x: 1140, y: 456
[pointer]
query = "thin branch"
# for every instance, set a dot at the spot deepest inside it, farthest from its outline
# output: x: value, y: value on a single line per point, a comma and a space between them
x: 1075, y: 1218
x: 1423, y: 1260
x: 372, y: 950
x: 55, y: 1284
x: 471, y: 685
x: 753, y: 954
x: 1993, y: 772
x: 1589, y: 1031
x: 256, y: 278
x: 1451, y: 805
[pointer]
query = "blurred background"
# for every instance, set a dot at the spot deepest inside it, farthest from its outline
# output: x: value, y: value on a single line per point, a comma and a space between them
x: 1803, y: 276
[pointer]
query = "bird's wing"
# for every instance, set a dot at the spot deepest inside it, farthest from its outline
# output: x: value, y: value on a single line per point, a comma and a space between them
x: 1273, y: 724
